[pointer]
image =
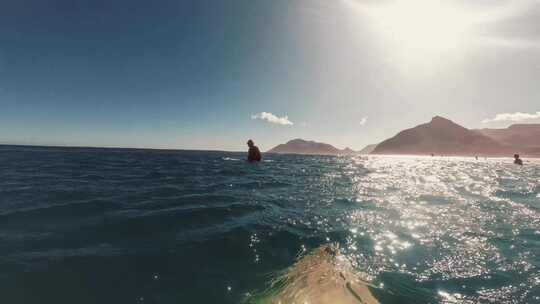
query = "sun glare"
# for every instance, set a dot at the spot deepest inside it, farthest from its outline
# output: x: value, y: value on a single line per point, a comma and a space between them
x: 420, y: 31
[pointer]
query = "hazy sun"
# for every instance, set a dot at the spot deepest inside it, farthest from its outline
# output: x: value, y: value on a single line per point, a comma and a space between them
x: 420, y: 31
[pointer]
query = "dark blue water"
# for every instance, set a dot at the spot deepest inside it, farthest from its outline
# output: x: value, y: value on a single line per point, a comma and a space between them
x: 146, y: 226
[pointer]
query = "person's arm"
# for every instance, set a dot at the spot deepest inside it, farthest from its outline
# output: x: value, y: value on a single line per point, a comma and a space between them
x: 258, y: 155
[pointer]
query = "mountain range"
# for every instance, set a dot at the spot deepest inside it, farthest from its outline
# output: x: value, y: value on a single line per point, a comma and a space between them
x: 519, y: 135
x: 440, y: 136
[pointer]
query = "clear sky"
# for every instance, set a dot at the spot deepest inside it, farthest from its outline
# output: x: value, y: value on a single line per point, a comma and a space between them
x: 208, y: 74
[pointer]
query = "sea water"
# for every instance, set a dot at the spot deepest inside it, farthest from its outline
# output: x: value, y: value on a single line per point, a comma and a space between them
x: 80, y: 225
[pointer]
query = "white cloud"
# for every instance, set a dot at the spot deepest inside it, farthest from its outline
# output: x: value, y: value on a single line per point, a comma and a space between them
x: 363, y: 121
x: 511, y: 43
x: 518, y: 116
x: 273, y: 118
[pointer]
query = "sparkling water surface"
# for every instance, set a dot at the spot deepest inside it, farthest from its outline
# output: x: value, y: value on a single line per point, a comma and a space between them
x: 81, y: 225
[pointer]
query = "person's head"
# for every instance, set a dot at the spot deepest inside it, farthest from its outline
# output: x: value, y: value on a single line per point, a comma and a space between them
x: 516, y: 156
x: 250, y: 143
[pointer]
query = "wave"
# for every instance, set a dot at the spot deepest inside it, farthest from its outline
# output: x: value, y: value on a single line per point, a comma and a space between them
x: 424, y: 229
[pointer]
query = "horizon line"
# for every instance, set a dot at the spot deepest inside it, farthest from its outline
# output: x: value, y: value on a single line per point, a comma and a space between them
x: 110, y: 147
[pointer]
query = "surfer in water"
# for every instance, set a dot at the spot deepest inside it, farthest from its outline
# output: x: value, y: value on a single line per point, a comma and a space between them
x: 254, y: 154
x: 517, y: 160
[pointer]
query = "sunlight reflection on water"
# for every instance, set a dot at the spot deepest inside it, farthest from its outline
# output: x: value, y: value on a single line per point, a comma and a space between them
x: 440, y: 220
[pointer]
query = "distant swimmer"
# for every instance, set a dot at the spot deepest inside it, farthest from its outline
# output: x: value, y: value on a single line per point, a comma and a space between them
x: 254, y: 154
x: 517, y: 160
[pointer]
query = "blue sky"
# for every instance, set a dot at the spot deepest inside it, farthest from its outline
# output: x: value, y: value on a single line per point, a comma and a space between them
x: 200, y: 74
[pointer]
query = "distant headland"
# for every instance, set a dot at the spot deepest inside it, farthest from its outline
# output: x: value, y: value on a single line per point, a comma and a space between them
x: 309, y: 147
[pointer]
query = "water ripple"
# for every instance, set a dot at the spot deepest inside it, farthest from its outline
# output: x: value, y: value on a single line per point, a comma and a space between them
x: 422, y: 229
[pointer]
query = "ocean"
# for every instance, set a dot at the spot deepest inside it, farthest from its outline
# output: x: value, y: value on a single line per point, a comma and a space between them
x: 88, y: 225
